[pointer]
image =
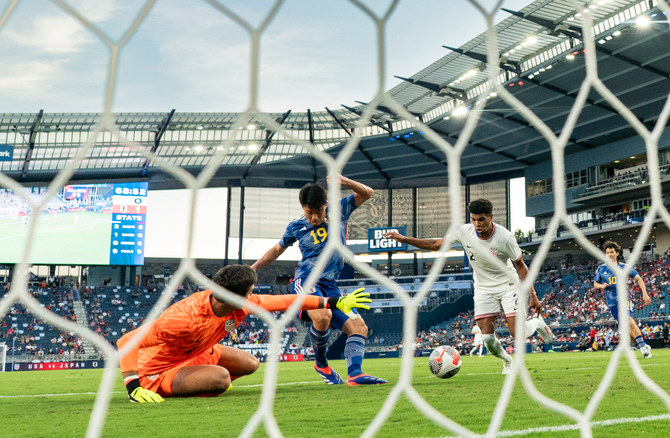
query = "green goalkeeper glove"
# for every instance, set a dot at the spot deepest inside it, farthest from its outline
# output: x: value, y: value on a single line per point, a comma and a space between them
x: 137, y: 394
x: 347, y: 303
x: 141, y: 395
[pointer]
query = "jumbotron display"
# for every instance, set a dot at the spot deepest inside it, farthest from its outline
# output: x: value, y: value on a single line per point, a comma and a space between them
x: 84, y: 224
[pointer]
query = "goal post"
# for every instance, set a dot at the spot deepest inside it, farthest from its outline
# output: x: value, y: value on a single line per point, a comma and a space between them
x: 3, y: 356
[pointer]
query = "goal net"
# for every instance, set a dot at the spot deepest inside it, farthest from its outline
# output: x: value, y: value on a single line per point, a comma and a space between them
x: 263, y: 416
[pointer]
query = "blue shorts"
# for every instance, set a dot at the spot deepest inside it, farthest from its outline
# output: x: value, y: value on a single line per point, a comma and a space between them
x: 615, y: 309
x: 323, y: 288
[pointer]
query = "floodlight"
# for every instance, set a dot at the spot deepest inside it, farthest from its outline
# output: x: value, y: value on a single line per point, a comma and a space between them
x: 460, y: 111
x: 643, y: 21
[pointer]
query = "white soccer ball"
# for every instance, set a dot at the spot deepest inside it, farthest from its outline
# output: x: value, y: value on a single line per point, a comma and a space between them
x: 444, y: 362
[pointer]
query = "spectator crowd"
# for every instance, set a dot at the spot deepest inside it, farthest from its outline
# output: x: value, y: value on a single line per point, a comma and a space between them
x: 577, y: 313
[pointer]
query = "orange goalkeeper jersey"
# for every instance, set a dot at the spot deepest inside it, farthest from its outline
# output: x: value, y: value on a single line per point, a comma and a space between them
x: 190, y: 327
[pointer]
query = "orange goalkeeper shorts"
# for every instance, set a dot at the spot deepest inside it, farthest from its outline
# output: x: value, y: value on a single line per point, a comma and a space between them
x: 162, y: 383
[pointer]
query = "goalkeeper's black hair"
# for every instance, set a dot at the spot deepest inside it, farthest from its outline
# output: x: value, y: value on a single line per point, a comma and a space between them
x: 236, y: 278
x: 313, y: 196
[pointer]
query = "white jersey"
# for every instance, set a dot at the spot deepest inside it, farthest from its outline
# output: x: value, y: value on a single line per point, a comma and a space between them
x: 502, y: 244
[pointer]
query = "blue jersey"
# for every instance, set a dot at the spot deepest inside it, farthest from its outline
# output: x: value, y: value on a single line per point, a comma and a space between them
x: 312, y: 240
x: 605, y: 275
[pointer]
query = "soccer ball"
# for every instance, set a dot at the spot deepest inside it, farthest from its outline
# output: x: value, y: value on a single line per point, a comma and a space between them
x: 444, y: 362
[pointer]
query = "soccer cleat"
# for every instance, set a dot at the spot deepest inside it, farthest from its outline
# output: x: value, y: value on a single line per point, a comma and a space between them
x: 364, y: 379
x: 646, y: 351
x: 507, y: 367
x: 329, y: 375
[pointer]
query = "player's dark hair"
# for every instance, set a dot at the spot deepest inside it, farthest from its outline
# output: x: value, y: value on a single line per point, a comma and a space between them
x: 313, y: 196
x: 236, y: 278
x: 611, y: 244
x: 480, y: 206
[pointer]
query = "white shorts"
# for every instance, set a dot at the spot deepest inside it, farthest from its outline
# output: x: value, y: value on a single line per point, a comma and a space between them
x: 478, y: 339
x: 490, y: 303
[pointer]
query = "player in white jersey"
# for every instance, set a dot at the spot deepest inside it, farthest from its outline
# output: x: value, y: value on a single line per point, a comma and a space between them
x: 477, y: 343
x: 496, y: 289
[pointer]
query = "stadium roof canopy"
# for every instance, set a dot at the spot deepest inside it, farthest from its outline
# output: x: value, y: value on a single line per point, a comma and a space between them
x: 542, y: 65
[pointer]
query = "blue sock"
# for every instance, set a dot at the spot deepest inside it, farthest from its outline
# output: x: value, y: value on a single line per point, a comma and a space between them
x: 319, y: 343
x: 354, y: 350
x: 640, y: 341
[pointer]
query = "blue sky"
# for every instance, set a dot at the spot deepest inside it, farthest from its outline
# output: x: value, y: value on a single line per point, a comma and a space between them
x: 189, y: 56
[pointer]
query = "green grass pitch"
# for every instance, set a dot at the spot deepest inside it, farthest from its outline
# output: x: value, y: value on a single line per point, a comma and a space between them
x: 76, y: 238
x: 58, y: 403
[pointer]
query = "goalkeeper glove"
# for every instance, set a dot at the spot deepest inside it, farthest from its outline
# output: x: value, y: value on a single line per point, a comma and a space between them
x: 347, y: 303
x: 141, y: 395
x: 137, y: 394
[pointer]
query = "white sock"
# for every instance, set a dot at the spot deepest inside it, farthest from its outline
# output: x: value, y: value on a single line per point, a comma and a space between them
x: 532, y: 325
x: 544, y: 330
x: 481, y: 347
x: 493, y: 345
x: 473, y: 350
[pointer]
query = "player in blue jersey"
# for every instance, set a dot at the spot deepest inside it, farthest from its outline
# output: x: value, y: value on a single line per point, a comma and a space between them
x: 605, y: 279
x: 311, y: 233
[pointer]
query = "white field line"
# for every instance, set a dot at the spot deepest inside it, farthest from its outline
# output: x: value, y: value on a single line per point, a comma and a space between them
x: 503, y: 433
x: 65, y: 394
x: 577, y: 369
x: 123, y: 392
x: 594, y: 424
x: 569, y: 427
x: 303, y: 383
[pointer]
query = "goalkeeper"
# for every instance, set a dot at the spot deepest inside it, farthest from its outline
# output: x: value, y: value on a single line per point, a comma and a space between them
x: 180, y: 356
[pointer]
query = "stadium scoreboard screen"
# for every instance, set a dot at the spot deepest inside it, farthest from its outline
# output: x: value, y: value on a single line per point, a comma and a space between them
x: 129, y: 219
x: 83, y: 224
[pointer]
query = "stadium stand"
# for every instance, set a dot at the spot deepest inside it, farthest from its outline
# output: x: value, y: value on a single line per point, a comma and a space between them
x: 448, y: 295
x: 570, y: 303
x: 110, y: 311
x: 624, y: 180
x: 572, y: 307
x: 33, y: 339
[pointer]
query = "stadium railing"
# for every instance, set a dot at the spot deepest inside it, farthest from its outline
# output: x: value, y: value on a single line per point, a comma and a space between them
x: 630, y: 180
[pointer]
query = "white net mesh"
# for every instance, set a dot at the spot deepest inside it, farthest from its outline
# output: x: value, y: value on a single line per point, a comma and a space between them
x: 453, y: 152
